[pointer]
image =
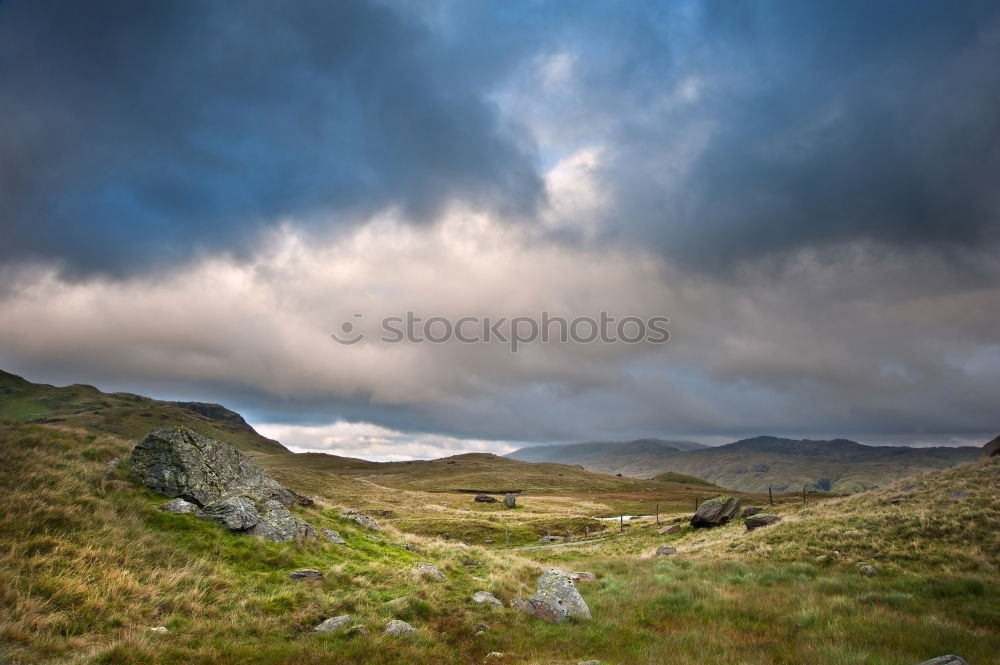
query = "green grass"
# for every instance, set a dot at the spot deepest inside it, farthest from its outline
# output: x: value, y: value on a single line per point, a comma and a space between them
x: 88, y: 564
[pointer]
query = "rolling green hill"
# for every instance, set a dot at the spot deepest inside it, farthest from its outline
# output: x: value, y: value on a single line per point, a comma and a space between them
x: 123, y: 414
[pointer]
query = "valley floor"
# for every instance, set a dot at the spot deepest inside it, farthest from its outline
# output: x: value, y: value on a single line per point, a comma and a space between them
x: 88, y: 564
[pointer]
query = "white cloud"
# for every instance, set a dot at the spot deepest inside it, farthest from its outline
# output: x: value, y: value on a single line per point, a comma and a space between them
x: 376, y: 443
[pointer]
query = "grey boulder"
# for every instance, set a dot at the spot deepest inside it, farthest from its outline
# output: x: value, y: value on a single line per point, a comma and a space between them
x: 399, y: 628
x: 485, y: 498
x: 236, y: 513
x: 510, y: 500
x: 761, y: 519
x: 486, y: 597
x: 178, y: 462
x: 334, y: 537
x: 716, y: 512
x: 665, y: 551
x: 334, y: 624
x: 673, y: 528
x: 279, y: 525
x: 751, y: 510
x: 556, y: 598
x: 429, y: 571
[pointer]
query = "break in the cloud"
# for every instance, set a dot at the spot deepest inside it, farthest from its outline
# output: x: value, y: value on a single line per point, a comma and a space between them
x: 195, y: 194
x: 378, y: 443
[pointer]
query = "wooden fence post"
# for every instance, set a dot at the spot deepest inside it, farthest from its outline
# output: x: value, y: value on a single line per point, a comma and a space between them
x: 770, y: 496
x: 657, y: 514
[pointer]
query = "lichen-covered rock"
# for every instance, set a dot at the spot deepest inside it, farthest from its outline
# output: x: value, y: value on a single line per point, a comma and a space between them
x: 485, y: 498
x: 334, y: 537
x: 673, y: 528
x: 486, y: 597
x: 360, y: 519
x: 761, y: 519
x: 583, y: 576
x: 334, y: 624
x: 178, y: 462
x: 236, y: 513
x: 665, y: 551
x: 429, y: 571
x: 179, y: 507
x: 510, y: 500
x: 751, y: 510
x: 409, y: 547
x: 716, y: 512
x: 279, y: 525
x: 556, y: 598
x: 399, y: 628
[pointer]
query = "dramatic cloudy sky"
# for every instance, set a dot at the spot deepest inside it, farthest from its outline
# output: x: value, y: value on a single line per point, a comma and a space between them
x: 195, y: 194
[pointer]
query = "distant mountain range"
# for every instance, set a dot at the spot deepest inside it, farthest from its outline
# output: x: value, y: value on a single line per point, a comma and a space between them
x: 754, y: 465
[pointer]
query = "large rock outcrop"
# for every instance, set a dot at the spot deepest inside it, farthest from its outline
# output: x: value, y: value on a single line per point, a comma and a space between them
x: 178, y: 462
x: 992, y: 449
x: 556, y: 598
x: 716, y: 512
x: 228, y: 487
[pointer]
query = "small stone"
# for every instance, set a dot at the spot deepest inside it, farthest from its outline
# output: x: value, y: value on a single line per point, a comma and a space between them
x: 334, y: 537
x: 867, y: 569
x: 589, y: 662
x: 356, y: 629
x: 665, y: 551
x: 429, y: 571
x: 549, y: 539
x: 485, y: 498
x: 412, y: 548
x: 493, y: 655
x: 950, y: 659
x: 399, y: 628
x: 360, y: 519
x: 334, y: 624
x: 898, y: 500
x: 583, y: 576
x: 480, y: 628
x: 397, y: 604
x: 306, y: 574
x: 750, y: 511
x: 486, y: 597
x: 673, y: 528
x: 179, y: 507
x: 159, y: 629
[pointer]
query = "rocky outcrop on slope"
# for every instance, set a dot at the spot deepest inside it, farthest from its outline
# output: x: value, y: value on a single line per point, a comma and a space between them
x: 225, y: 485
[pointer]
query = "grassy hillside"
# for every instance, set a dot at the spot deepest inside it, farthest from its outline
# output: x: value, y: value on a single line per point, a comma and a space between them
x: 754, y: 465
x: 88, y: 564
x: 123, y: 414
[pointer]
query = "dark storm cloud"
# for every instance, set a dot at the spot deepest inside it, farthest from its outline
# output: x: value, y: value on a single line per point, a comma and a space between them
x: 829, y: 122
x: 133, y: 132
